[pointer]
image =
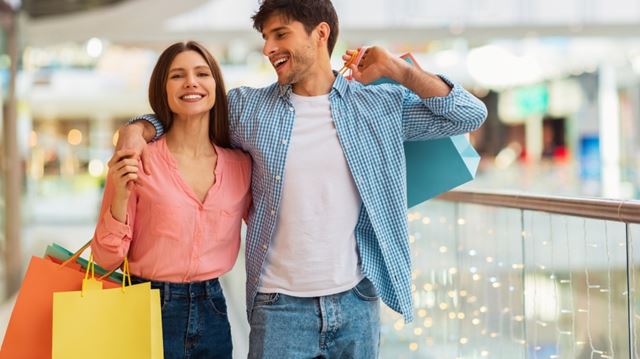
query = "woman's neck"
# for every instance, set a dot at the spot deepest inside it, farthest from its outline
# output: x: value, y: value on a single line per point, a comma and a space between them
x: 190, y: 136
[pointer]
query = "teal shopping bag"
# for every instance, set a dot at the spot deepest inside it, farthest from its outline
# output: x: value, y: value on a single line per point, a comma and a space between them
x: 436, y: 166
x: 59, y: 254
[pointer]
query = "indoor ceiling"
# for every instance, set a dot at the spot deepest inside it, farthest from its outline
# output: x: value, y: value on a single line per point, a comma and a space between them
x: 43, y: 8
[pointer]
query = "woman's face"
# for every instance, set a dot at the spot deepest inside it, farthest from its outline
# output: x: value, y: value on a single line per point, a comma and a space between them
x: 191, y: 89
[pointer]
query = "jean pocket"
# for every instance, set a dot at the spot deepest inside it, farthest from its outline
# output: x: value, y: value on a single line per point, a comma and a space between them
x: 365, y: 290
x: 218, y: 304
x: 263, y: 299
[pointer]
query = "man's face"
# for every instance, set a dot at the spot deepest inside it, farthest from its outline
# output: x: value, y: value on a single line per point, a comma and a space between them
x: 291, y: 51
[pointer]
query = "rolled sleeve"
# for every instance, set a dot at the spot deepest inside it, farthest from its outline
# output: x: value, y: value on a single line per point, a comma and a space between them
x: 443, y: 105
x: 457, y: 113
x: 115, y: 228
x: 112, y: 238
x: 153, y: 120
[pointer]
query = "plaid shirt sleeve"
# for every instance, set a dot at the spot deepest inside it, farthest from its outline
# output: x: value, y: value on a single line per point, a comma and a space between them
x: 458, y: 112
x: 153, y: 120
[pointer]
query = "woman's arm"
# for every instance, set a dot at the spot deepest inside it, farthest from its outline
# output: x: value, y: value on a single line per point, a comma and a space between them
x: 115, y: 222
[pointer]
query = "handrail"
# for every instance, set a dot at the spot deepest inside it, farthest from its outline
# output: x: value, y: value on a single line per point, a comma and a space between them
x: 627, y: 211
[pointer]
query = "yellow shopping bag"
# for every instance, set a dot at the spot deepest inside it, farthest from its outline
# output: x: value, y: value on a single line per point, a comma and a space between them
x: 96, y: 323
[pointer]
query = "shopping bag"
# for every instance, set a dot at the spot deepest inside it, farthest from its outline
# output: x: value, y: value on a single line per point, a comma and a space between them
x: 434, y: 166
x: 28, y: 334
x: 128, y: 320
x: 437, y: 166
x: 59, y: 254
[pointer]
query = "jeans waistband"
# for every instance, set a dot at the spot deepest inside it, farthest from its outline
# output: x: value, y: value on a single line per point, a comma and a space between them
x: 208, y: 288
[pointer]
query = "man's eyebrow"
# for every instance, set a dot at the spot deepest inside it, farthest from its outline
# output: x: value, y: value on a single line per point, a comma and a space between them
x: 275, y: 30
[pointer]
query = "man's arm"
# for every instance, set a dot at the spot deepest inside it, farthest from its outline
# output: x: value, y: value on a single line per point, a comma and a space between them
x: 135, y: 135
x: 378, y: 62
x: 432, y: 106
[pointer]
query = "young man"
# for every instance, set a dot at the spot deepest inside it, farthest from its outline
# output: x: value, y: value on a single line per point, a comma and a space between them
x: 328, y: 229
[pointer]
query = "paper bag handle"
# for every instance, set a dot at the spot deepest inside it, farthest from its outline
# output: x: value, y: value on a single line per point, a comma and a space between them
x: 79, y: 252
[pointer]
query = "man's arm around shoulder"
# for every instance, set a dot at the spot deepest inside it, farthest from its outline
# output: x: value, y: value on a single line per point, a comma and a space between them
x: 135, y: 135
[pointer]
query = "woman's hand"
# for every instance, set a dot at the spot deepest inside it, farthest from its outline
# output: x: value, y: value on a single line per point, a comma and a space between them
x: 123, y: 174
x: 134, y: 137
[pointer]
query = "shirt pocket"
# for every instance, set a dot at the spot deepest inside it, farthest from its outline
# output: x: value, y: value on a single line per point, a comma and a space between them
x: 226, y: 224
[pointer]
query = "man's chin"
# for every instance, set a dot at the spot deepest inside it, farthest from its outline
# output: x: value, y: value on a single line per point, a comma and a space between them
x: 286, y: 80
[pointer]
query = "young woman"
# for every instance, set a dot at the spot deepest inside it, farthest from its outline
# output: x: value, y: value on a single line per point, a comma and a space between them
x: 179, y: 227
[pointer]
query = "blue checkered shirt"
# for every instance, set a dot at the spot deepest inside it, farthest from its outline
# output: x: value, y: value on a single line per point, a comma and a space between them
x: 372, y: 122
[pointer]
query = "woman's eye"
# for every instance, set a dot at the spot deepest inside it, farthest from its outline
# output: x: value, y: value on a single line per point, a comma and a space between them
x: 175, y: 76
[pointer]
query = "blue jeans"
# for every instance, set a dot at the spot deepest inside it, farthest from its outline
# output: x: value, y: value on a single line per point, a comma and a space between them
x: 194, y: 319
x: 343, y: 325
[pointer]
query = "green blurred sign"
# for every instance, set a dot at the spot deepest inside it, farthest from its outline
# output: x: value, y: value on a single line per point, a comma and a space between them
x: 532, y: 100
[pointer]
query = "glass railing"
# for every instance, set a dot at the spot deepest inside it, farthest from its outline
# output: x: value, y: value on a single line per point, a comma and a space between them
x: 513, y: 276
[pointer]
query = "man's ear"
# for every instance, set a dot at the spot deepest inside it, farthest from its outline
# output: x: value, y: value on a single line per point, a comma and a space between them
x: 323, y: 30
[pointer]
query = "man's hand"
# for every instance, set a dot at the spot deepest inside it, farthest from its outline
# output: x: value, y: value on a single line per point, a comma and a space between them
x: 377, y: 62
x: 131, y: 138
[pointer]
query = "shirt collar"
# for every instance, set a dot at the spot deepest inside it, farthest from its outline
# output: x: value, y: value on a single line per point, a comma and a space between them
x: 340, y: 85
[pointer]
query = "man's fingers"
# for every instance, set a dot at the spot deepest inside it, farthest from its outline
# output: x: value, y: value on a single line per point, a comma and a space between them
x: 356, y: 73
x: 146, y: 162
x: 126, y: 153
x: 349, y: 53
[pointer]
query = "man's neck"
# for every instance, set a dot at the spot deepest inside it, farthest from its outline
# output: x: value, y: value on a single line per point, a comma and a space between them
x: 316, y: 83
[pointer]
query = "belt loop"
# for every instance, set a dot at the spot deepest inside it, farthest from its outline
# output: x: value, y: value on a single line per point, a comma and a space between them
x: 208, y: 288
x: 167, y: 291
x: 213, y: 287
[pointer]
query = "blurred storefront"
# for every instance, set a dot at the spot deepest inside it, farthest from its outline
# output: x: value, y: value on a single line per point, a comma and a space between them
x: 561, y: 82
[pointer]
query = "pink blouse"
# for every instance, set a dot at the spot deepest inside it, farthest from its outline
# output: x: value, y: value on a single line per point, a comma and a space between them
x: 169, y: 235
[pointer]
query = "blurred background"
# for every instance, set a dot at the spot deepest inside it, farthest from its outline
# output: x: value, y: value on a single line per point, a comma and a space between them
x: 561, y: 81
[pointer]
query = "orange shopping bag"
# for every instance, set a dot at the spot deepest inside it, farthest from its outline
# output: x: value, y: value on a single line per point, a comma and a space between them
x: 28, y: 334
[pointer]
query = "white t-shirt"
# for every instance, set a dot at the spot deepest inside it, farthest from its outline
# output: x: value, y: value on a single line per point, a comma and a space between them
x: 313, y: 251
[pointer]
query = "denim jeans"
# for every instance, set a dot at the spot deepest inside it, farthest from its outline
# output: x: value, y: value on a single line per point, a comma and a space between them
x: 343, y: 325
x: 194, y: 319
